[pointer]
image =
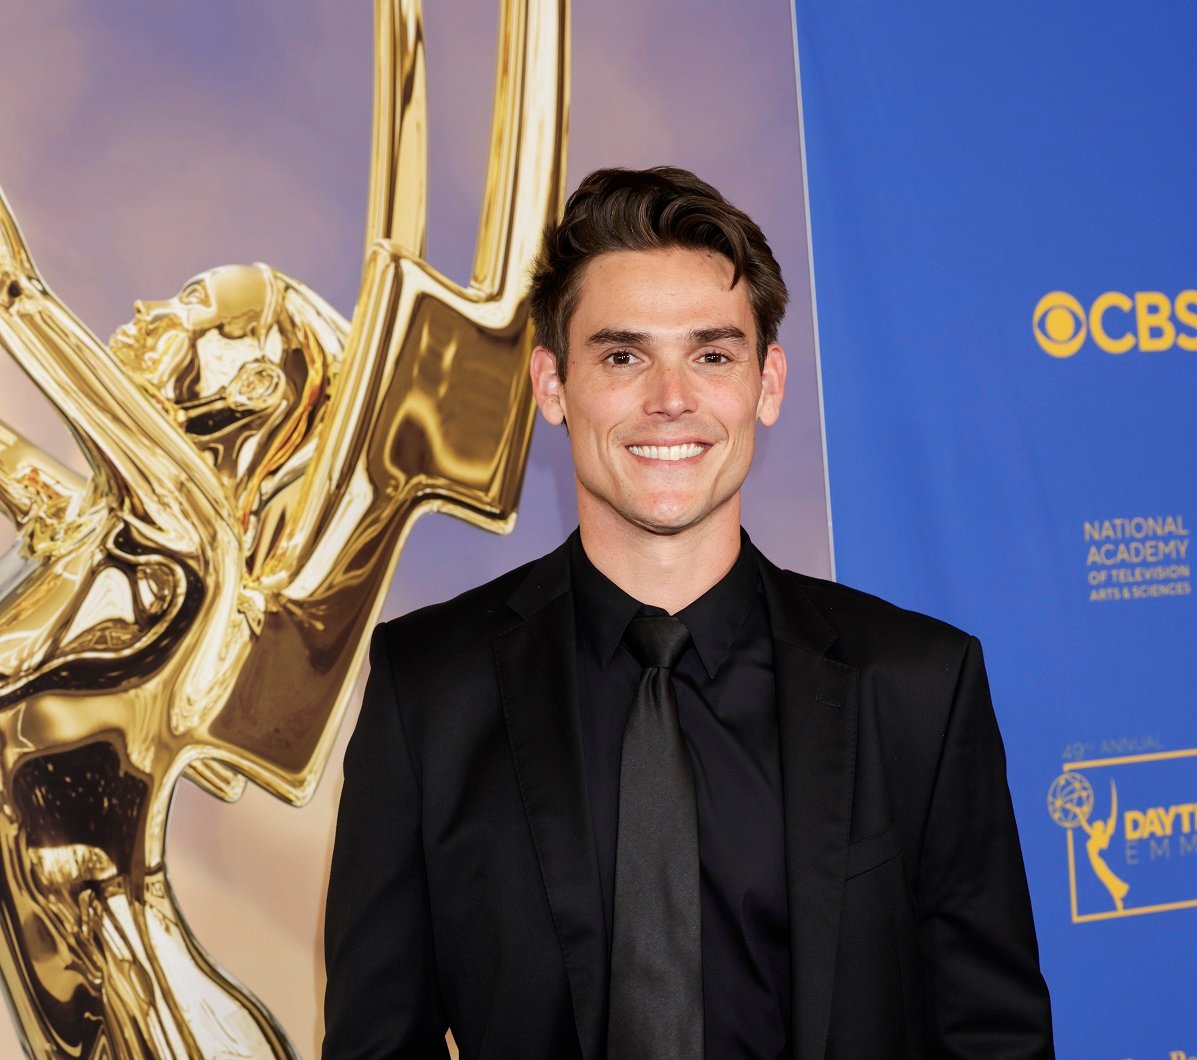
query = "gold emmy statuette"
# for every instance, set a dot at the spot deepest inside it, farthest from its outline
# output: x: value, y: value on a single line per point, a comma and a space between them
x: 199, y: 603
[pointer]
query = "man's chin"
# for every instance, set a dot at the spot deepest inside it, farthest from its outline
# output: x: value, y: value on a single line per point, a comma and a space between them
x: 664, y: 529
x: 639, y: 520
x: 668, y: 521
x: 661, y: 513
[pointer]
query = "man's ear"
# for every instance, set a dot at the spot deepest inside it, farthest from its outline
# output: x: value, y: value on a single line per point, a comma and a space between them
x: 773, y: 385
x: 547, y: 387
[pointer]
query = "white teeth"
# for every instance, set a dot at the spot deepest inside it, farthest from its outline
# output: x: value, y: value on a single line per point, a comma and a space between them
x: 667, y: 452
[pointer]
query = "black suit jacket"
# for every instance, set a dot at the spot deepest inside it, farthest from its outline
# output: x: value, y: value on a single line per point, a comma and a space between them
x: 464, y: 885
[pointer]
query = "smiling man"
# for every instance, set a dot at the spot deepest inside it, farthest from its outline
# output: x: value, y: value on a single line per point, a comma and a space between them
x: 651, y: 796
x: 661, y: 379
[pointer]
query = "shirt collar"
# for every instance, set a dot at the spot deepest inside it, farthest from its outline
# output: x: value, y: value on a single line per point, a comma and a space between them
x: 603, y: 609
x: 714, y: 619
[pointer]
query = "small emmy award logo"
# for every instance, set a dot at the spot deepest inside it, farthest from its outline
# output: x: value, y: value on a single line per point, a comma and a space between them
x: 1070, y: 802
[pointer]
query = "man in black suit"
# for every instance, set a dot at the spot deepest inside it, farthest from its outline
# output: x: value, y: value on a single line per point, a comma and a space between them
x: 788, y: 834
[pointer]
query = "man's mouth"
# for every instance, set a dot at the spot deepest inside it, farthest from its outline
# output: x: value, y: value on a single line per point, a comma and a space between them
x: 684, y: 451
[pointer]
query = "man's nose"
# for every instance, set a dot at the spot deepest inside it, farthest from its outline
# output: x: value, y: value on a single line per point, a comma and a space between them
x: 670, y: 390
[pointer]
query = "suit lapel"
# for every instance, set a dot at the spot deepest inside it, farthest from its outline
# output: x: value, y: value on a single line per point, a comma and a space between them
x: 817, y: 712
x: 535, y: 662
x: 817, y: 721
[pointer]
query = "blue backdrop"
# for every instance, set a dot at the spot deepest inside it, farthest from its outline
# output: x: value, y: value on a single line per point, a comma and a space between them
x: 1003, y: 230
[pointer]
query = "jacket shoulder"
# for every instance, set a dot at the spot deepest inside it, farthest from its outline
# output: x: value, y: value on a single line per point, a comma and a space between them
x: 473, y: 615
x: 870, y: 630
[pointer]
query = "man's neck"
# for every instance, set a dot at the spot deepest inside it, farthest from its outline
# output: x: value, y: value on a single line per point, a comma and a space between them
x: 665, y: 570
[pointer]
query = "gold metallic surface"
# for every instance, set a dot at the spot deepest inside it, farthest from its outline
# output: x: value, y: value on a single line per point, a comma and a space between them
x: 199, y: 603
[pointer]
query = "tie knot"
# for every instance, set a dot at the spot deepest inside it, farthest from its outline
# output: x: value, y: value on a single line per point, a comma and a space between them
x: 656, y: 640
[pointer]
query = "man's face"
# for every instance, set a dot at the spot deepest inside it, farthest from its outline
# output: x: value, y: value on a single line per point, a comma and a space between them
x: 663, y: 390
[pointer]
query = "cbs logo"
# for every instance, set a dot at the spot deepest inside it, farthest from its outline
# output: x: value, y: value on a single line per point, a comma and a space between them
x: 1116, y: 322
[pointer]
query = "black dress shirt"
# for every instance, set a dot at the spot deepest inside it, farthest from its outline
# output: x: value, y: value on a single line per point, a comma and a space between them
x: 728, y: 716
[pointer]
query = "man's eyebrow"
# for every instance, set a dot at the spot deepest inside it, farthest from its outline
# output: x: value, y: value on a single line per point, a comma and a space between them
x: 616, y: 337
x: 718, y: 334
x: 698, y: 336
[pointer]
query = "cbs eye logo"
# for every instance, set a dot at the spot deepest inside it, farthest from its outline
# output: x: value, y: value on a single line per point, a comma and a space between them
x: 1060, y: 326
x: 1116, y: 322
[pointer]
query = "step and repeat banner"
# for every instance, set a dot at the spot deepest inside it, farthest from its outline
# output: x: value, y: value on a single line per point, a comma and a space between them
x: 1004, y: 238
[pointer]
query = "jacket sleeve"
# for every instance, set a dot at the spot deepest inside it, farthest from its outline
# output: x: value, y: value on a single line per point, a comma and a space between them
x: 382, y: 998
x: 984, y: 991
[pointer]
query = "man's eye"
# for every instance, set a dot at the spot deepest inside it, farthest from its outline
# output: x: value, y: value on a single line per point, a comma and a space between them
x: 713, y: 357
x: 621, y: 357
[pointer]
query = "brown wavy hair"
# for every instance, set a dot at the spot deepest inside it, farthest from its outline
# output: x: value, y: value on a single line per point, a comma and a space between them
x: 649, y: 209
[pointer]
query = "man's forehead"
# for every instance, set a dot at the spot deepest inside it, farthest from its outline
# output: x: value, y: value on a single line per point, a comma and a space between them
x: 634, y: 296
x: 615, y: 262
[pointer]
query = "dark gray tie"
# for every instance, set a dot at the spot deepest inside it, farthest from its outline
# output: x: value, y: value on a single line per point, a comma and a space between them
x: 656, y: 948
